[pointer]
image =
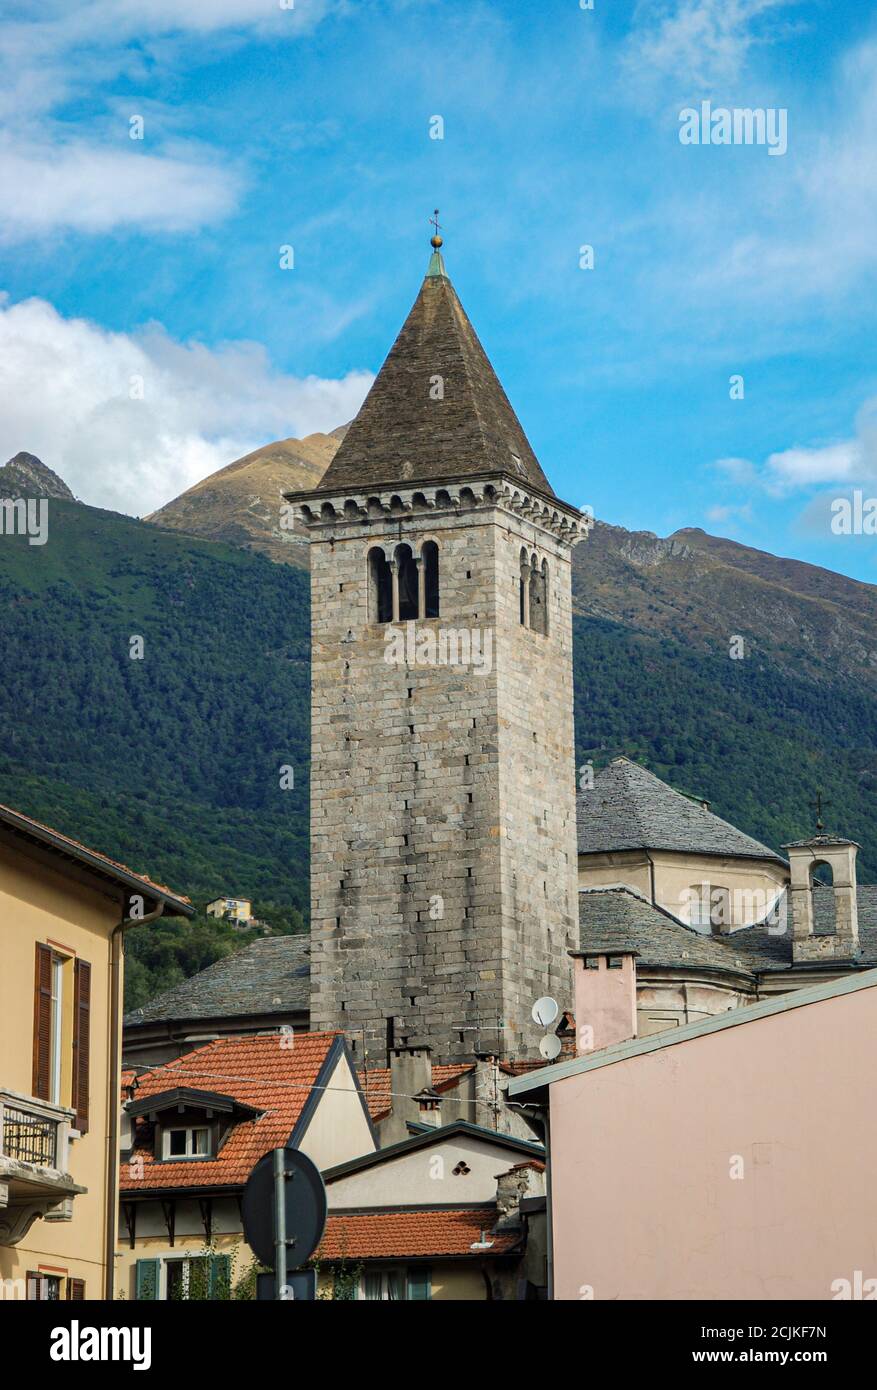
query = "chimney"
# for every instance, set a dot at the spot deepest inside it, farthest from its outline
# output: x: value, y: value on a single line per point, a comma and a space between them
x: 526, y: 1179
x: 410, y: 1079
x: 837, y: 937
x: 605, y: 995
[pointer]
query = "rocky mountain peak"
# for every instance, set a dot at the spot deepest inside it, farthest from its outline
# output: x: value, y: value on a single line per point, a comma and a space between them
x: 27, y: 476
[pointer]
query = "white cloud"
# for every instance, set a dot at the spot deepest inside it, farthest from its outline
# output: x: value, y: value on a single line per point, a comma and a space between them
x: 54, y: 180
x: 82, y: 187
x: 65, y: 395
x: 792, y: 469
x: 801, y: 467
x: 697, y: 43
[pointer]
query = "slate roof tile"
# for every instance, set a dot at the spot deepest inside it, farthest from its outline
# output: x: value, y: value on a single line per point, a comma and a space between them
x: 403, y: 435
x: 270, y: 976
x: 629, y: 808
x: 618, y: 918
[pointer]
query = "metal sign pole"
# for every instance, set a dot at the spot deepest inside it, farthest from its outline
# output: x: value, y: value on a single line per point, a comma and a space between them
x: 279, y: 1224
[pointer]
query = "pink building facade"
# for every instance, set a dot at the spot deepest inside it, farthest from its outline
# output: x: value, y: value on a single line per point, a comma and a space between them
x: 733, y: 1158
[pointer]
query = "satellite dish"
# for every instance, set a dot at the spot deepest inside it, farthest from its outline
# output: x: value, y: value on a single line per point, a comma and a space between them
x: 545, y: 1011
x: 550, y: 1046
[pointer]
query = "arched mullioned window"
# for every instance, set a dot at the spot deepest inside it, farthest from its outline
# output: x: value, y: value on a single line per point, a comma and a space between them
x: 538, y: 594
x: 429, y: 564
x: 533, y: 591
x: 380, y: 587
x: 405, y: 587
x: 409, y: 584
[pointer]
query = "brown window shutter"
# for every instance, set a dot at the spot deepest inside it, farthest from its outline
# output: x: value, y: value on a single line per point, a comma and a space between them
x: 42, y: 1023
x: 81, y: 1040
x: 76, y: 1289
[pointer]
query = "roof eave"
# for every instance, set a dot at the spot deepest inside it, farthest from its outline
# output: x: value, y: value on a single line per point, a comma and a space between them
x: 44, y: 836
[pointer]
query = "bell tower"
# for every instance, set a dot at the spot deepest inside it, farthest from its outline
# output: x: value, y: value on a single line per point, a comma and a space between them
x: 443, y: 834
x: 840, y: 941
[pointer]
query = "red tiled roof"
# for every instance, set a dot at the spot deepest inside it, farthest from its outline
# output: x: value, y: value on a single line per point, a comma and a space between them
x: 19, y: 821
x: 376, y: 1084
x: 264, y: 1072
x: 389, y: 1234
x: 519, y: 1068
x: 536, y: 1164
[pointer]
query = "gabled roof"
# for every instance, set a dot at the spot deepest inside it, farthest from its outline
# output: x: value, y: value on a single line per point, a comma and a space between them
x: 282, y: 1083
x: 377, y: 1084
x: 20, y: 826
x: 420, y: 1233
x: 629, y: 808
x: 188, y: 1097
x: 270, y: 976
x: 403, y: 435
x: 432, y: 1136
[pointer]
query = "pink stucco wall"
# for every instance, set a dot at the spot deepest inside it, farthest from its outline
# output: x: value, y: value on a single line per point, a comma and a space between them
x: 605, y: 1001
x: 643, y: 1151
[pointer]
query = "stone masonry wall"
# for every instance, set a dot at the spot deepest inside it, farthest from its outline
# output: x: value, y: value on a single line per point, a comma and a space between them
x: 442, y: 801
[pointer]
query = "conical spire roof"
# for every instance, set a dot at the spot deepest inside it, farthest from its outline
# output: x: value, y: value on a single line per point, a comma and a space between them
x: 413, y: 427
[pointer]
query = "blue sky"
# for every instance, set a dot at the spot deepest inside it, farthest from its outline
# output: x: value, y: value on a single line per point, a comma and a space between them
x: 157, y: 260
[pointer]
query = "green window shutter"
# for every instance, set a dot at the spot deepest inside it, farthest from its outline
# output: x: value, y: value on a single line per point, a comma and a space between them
x: 419, y: 1282
x: 220, y: 1277
x: 147, y: 1279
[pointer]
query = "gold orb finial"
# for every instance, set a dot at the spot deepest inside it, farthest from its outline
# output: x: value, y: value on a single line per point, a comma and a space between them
x: 435, y: 240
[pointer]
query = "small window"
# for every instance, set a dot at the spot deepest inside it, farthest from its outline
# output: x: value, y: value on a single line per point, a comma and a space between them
x: 533, y: 591
x: 539, y: 597
x: 429, y: 558
x: 710, y: 907
x: 409, y: 583
x: 380, y: 587
x: 42, y: 1288
x: 188, y: 1142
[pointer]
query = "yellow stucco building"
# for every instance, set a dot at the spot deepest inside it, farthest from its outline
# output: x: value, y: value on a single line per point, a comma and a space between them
x: 63, y: 914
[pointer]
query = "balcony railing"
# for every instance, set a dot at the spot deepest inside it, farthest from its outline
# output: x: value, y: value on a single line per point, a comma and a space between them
x: 33, y: 1131
x: 28, y: 1139
x: 35, y: 1177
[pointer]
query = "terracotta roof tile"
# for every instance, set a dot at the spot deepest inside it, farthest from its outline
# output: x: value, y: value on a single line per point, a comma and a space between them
x: 393, y: 1234
x: 377, y: 1086
x: 259, y: 1071
x: 17, y: 820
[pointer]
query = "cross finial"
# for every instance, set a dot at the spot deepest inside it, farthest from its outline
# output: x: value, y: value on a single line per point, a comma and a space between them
x: 818, y: 807
x: 435, y: 240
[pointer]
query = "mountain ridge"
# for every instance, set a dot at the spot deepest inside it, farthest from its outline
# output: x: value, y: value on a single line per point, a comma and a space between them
x: 171, y: 764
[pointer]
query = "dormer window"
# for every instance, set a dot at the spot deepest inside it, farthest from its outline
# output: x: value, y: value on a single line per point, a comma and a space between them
x: 188, y: 1123
x: 186, y: 1142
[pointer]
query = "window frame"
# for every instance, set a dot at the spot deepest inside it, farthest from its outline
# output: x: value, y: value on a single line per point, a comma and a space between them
x: 190, y: 1155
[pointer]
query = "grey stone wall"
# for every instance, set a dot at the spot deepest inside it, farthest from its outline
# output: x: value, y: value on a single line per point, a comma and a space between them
x: 443, y: 864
